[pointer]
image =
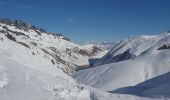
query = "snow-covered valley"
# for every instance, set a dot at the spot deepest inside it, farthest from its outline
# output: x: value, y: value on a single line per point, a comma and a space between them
x: 39, y: 65
x: 151, y: 60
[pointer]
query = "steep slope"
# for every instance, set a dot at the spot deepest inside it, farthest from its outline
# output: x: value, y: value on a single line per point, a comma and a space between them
x: 57, y: 49
x: 24, y: 76
x: 158, y: 86
x: 32, y: 65
x: 128, y: 48
x: 98, y: 52
x: 148, y: 64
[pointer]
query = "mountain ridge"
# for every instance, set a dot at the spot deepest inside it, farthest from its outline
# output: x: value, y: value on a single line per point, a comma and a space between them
x: 58, y: 48
x: 40, y: 65
x: 151, y: 60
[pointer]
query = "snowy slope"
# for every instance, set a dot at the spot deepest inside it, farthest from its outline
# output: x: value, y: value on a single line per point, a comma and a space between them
x: 36, y: 65
x: 96, y: 49
x: 148, y: 64
x: 103, y: 46
x: 129, y: 48
x: 24, y: 76
x: 28, y: 73
x: 52, y: 46
x: 158, y: 86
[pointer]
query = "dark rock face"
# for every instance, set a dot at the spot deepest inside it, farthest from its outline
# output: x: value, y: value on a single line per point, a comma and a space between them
x: 24, y: 44
x: 121, y: 57
x: 9, y: 36
x: 15, y: 32
x: 167, y: 46
x: 124, y: 56
x: 96, y: 49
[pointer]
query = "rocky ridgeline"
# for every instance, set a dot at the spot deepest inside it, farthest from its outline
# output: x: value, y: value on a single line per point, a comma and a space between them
x: 55, y: 47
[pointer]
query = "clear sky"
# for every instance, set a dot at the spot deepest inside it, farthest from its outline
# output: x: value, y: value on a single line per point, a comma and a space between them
x: 92, y: 20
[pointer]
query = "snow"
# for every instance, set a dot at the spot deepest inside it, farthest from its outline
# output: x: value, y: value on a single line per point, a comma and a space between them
x: 136, y: 45
x: 102, y: 45
x: 148, y: 64
x: 32, y: 82
x: 156, y: 86
x: 31, y: 73
x: 65, y: 54
x: 24, y: 77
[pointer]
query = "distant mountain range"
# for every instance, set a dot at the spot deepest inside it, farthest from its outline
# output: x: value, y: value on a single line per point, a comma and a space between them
x: 102, y: 45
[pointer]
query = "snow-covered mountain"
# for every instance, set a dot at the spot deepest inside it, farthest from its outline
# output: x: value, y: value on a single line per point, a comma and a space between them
x: 102, y: 45
x: 24, y: 76
x: 152, y: 59
x: 53, y: 47
x: 128, y: 49
x: 99, y: 46
x: 33, y: 65
x: 37, y: 65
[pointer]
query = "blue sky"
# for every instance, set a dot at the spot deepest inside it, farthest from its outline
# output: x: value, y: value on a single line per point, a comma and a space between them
x: 92, y: 20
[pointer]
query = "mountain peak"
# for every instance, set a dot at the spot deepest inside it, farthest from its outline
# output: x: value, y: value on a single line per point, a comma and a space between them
x: 20, y: 24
